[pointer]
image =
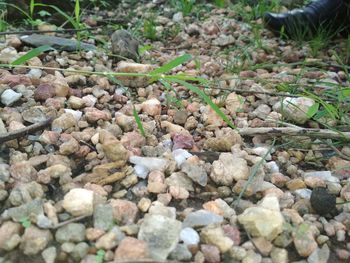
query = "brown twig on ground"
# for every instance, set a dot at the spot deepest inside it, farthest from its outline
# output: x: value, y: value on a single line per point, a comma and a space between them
x: 72, y: 220
x: 293, y: 131
x: 23, y: 132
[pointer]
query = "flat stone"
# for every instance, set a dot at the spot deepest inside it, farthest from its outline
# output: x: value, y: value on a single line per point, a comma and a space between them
x: 320, y: 255
x: 103, y: 217
x: 161, y: 234
x: 26, y: 210
x: 59, y: 43
x: 72, y: 232
x: 201, y: 218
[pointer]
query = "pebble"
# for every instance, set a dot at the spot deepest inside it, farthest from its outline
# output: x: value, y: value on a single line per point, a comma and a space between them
x: 10, y: 235
x: 320, y: 255
x: 160, y: 226
x: 79, y: 202
x: 195, y: 171
x: 201, y: 218
x: 304, y: 240
x: 211, y: 253
x: 110, y: 240
x: 279, y: 255
x: 72, y: 232
x: 264, y: 220
x: 296, y: 109
x: 130, y: 249
x: 216, y: 236
x: 103, y: 217
x: 49, y: 254
x: 34, y: 240
x: 228, y: 169
x: 181, y: 253
x: 189, y: 236
x: 124, y: 211
x: 151, y: 163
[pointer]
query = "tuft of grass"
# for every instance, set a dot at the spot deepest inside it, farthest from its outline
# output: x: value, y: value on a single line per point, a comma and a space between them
x: 156, y: 75
x: 149, y: 28
x: 183, y: 6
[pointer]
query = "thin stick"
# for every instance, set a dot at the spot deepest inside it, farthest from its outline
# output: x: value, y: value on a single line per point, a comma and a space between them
x: 293, y: 131
x: 72, y: 220
x: 23, y: 132
x: 28, y: 32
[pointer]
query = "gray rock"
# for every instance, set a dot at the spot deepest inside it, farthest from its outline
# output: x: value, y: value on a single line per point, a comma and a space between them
x: 43, y: 221
x: 196, y: 172
x: 201, y: 218
x: 125, y: 45
x: 80, y: 250
x: 26, y: 210
x: 59, y: 43
x: 320, y: 255
x: 8, y: 97
x: 4, y: 172
x: 25, y: 193
x: 323, y: 175
x: 72, y: 232
x: 181, y: 253
x: 161, y: 234
x: 103, y: 217
x: 49, y: 254
x: 180, y: 180
x: 34, y: 115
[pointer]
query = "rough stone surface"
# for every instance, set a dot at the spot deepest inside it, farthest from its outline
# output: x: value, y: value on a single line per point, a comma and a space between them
x: 161, y: 234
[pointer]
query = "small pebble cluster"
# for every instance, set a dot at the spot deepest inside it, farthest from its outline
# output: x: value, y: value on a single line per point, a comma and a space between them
x: 90, y: 187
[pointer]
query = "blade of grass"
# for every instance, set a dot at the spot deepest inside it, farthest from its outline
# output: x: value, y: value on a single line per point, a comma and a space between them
x: 172, y: 64
x: 64, y: 14
x: 31, y: 54
x: 138, y: 122
x: 204, y: 97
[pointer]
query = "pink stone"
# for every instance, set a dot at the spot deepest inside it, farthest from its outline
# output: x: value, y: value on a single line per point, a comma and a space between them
x: 125, y: 212
x: 131, y: 249
x: 182, y: 141
x: 233, y: 233
x: 211, y: 253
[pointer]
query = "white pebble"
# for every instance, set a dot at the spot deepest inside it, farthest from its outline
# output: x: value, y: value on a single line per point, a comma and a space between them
x: 8, y: 97
x: 189, y: 236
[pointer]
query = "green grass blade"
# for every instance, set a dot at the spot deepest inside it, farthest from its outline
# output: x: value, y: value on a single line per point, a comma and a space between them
x: 204, y: 97
x: 77, y: 11
x: 31, y: 7
x: 31, y: 54
x: 62, y: 13
x: 172, y: 64
x: 313, y: 110
x: 138, y: 122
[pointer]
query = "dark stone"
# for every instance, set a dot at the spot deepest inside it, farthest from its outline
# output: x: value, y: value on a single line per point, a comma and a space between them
x: 124, y: 45
x: 59, y: 43
x: 322, y: 201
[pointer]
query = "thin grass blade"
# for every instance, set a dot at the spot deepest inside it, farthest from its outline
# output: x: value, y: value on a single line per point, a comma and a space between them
x: 172, y: 64
x: 31, y: 54
x: 138, y: 122
x: 204, y: 97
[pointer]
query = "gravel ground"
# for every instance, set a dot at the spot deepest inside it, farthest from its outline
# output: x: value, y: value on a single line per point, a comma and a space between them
x: 91, y: 188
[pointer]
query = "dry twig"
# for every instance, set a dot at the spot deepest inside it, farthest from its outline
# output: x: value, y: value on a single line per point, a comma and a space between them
x: 294, y: 131
x: 23, y: 132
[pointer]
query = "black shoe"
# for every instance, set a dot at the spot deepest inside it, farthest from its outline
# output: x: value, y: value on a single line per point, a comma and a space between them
x: 330, y: 14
